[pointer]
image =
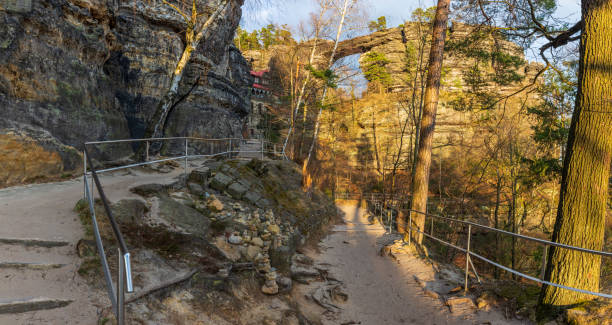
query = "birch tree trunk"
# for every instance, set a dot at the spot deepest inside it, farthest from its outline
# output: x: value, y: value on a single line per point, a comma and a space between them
x: 307, y: 180
x: 420, y: 182
x: 194, y: 34
x: 303, y: 89
x: 586, y: 167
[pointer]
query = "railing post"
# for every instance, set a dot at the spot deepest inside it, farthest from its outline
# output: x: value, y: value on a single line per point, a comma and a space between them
x: 467, y: 257
x: 120, y: 289
x: 211, y: 148
x: 147, y: 155
x: 84, y: 175
x: 186, y: 152
x: 544, y: 260
x: 431, y: 231
x: 229, y: 149
x: 409, y: 228
x: 262, y: 149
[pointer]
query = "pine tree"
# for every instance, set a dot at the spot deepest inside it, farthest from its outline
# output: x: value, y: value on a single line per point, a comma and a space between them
x: 586, y: 168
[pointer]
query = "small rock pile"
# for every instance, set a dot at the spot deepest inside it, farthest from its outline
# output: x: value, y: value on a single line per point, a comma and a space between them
x: 254, y: 233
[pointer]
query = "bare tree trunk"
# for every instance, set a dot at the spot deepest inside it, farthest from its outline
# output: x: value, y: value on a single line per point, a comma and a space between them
x: 303, y: 89
x: 193, y: 36
x: 307, y: 180
x: 376, y: 144
x: 512, y: 216
x: 420, y: 183
x: 586, y: 168
x: 497, y: 235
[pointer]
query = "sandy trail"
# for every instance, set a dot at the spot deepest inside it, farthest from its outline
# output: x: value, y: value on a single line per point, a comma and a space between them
x: 381, y: 290
x: 45, y: 211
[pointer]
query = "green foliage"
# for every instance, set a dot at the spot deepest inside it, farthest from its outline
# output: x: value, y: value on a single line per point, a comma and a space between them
x: 326, y: 75
x: 378, y: 25
x: 492, y: 67
x: 263, y: 38
x: 410, y: 57
x: 374, y: 69
x: 552, y: 121
x: 424, y: 15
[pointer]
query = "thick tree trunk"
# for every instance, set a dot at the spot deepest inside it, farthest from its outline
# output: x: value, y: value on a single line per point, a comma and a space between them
x: 420, y: 182
x: 586, y: 168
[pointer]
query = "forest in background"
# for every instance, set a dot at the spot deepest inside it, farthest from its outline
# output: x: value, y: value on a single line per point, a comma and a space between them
x: 502, y: 130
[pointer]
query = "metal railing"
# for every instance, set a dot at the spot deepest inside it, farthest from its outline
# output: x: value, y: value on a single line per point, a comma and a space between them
x: 216, y: 147
x: 468, y: 248
x: 124, y: 270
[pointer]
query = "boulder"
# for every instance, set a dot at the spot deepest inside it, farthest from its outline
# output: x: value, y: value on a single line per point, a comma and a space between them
x: 237, y: 190
x: 184, y: 217
x: 196, y: 189
x: 148, y: 190
x: 200, y: 175
x: 220, y: 182
x: 129, y: 211
x: 30, y: 154
x: 252, y: 197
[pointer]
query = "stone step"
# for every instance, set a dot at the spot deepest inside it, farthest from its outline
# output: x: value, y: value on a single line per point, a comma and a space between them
x: 8, y: 306
x: 34, y: 242
x: 32, y: 282
x: 30, y: 266
x: 37, y: 254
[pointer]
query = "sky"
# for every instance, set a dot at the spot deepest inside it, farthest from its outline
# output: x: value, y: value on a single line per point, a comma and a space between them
x: 291, y: 12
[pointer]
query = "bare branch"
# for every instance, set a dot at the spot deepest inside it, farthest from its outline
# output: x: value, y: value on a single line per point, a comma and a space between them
x: 177, y: 10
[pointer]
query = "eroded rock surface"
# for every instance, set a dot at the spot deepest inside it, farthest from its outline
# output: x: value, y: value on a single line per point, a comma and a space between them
x: 73, y: 71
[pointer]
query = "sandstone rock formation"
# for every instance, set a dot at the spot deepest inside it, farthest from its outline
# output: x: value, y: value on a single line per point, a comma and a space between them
x: 83, y: 70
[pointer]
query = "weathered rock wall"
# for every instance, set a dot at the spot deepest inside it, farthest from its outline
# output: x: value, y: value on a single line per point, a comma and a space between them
x: 83, y: 70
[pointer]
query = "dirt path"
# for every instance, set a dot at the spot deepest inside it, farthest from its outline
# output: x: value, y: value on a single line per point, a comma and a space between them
x: 380, y: 290
x: 45, y: 212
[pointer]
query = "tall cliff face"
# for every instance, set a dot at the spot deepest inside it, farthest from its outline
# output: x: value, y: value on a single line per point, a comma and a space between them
x: 79, y: 70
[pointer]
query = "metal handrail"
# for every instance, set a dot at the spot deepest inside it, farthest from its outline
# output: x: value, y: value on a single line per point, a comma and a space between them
x: 124, y: 276
x: 186, y: 156
x: 124, y: 269
x: 470, y: 253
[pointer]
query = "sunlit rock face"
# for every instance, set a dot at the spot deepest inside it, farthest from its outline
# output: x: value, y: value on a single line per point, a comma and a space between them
x: 85, y: 70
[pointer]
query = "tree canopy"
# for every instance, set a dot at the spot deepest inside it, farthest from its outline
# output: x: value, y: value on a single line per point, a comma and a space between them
x: 378, y: 24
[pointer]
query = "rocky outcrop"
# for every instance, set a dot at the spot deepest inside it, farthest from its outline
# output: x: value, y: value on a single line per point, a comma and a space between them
x: 393, y: 42
x: 237, y: 253
x: 82, y: 70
